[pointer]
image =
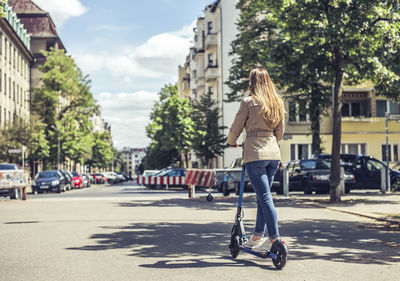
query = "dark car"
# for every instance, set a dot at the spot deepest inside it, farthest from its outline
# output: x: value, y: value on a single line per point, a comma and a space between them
x: 366, y: 169
x: 48, y: 181
x: 126, y: 177
x: 67, y: 180
x: 311, y: 175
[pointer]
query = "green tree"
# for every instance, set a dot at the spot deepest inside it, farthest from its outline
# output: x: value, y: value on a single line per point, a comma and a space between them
x: 289, y: 65
x: 102, y: 151
x: 64, y: 103
x: 171, y: 128
x: 343, y: 41
x: 209, y: 140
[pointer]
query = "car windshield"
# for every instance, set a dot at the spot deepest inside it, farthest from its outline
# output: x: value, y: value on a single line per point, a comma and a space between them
x: 314, y: 164
x: 163, y: 172
x: 75, y: 174
x: 46, y: 175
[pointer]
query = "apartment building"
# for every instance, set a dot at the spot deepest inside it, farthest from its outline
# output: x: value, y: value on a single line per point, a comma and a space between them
x: 208, y: 63
x: 132, y: 159
x: 15, y: 61
x: 363, y: 127
x: 42, y: 31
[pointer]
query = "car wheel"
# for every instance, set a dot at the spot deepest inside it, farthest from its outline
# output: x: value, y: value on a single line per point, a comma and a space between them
x: 237, y: 188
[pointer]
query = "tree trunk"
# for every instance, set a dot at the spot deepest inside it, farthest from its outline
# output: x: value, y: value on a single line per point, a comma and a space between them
x: 335, y: 191
x: 315, y: 131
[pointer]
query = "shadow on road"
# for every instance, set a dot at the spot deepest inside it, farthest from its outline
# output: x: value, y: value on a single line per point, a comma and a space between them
x: 200, y: 245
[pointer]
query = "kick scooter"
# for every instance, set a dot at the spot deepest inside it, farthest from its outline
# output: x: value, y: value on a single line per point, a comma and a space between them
x: 278, y: 252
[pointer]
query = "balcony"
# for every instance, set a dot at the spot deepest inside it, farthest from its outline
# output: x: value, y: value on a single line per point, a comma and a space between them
x: 212, y: 72
x: 200, y: 82
x: 199, y: 53
x: 211, y: 40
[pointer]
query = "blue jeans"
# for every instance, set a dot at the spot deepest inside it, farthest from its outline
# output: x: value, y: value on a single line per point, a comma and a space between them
x: 261, y: 174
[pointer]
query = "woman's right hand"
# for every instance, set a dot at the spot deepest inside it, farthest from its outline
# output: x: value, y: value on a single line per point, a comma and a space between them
x: 233, y: 145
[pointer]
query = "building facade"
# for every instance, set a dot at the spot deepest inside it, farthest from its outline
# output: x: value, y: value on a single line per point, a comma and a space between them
x: 15, y: 61
x: 208, y: 63
x: 363, y: 127
x: 132, y: 158
x: 42, y: 31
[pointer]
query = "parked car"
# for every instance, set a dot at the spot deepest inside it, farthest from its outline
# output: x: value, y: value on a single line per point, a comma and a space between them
x: 120, y: 177
x: 126, y: 177
x: 51, y: 180
x: 67, y: 180
x: 309, y: 175
x: 147, y: 173
x: 98, y: 178
x: 366, y: 169
x: 77, y: 179
x: 110, y: 177
x: 14, y: 182
x: 86, y: 180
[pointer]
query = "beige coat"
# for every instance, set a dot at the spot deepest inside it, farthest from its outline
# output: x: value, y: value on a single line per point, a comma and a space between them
x: 261, y: 137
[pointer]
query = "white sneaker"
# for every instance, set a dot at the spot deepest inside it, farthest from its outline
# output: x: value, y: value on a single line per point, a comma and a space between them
x: 266, y: 246
x: 253, y: 243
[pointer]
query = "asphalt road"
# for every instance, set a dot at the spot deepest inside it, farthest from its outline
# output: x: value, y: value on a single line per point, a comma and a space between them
x: 126, y: 232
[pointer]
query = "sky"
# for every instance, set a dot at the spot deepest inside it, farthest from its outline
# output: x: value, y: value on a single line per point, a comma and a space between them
x: 130, y: 49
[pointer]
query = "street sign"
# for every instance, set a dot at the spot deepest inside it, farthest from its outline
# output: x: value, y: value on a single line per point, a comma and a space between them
x: 14, y: 151
x: 394, y: 116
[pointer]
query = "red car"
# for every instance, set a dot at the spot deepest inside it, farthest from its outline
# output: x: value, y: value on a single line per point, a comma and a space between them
x: 77, y: 180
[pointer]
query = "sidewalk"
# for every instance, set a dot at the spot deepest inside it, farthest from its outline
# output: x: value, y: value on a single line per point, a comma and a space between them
x: 370, y: 204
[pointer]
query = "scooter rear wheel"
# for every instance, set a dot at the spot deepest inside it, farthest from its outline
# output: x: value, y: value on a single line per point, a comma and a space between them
x: 234, y: 246
x: 281, y: 251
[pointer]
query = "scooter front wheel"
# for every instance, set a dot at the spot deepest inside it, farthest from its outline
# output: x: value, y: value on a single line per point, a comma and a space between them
x: 280, y: 250
x: 234, y: 246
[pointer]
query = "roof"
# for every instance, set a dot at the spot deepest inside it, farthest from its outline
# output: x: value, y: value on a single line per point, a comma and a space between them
x: 213, y: 6
x: 25, y: 7
x: 36, y: 21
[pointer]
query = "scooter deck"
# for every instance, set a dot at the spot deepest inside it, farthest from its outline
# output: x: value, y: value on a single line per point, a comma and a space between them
x: 263, y: 255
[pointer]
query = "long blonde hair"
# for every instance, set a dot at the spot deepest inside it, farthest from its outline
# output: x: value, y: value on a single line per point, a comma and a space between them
x: 264, y: 92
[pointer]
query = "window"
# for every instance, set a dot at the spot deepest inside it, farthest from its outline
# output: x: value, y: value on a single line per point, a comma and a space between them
x: 194, y: 73
x: 374, y: 165
x: 302, y: 111
x: 383, y: 106
x: 5, y: 48
x: 210, y: 90
x: 209, y: 27
x: 1, y: 43
x: 13, y: 88
x: 351, y: 109
x: 300, y: 151
x: 380, y: 108
x: 9, y: 87
x: 292, y: 112
x: 298, y: 111
x: 1, y: 85
x: 353, y: 148
x: 210, y: 60
x: 393, y: 152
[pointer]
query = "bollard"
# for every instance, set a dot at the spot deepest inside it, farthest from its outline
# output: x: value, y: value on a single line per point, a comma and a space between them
x: 285, y: 172
x: 342, y: 183
x: 383, y: 180
x: 192, y: 190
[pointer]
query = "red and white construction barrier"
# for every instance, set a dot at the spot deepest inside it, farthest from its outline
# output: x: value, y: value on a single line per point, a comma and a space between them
x: 161, y: 180
x: 205, y: 178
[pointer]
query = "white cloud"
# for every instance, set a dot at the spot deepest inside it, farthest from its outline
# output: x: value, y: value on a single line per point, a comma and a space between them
x: 61, y: 10
x: 128, y: 114
x: 147, y: 68
x: 158, y: 57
